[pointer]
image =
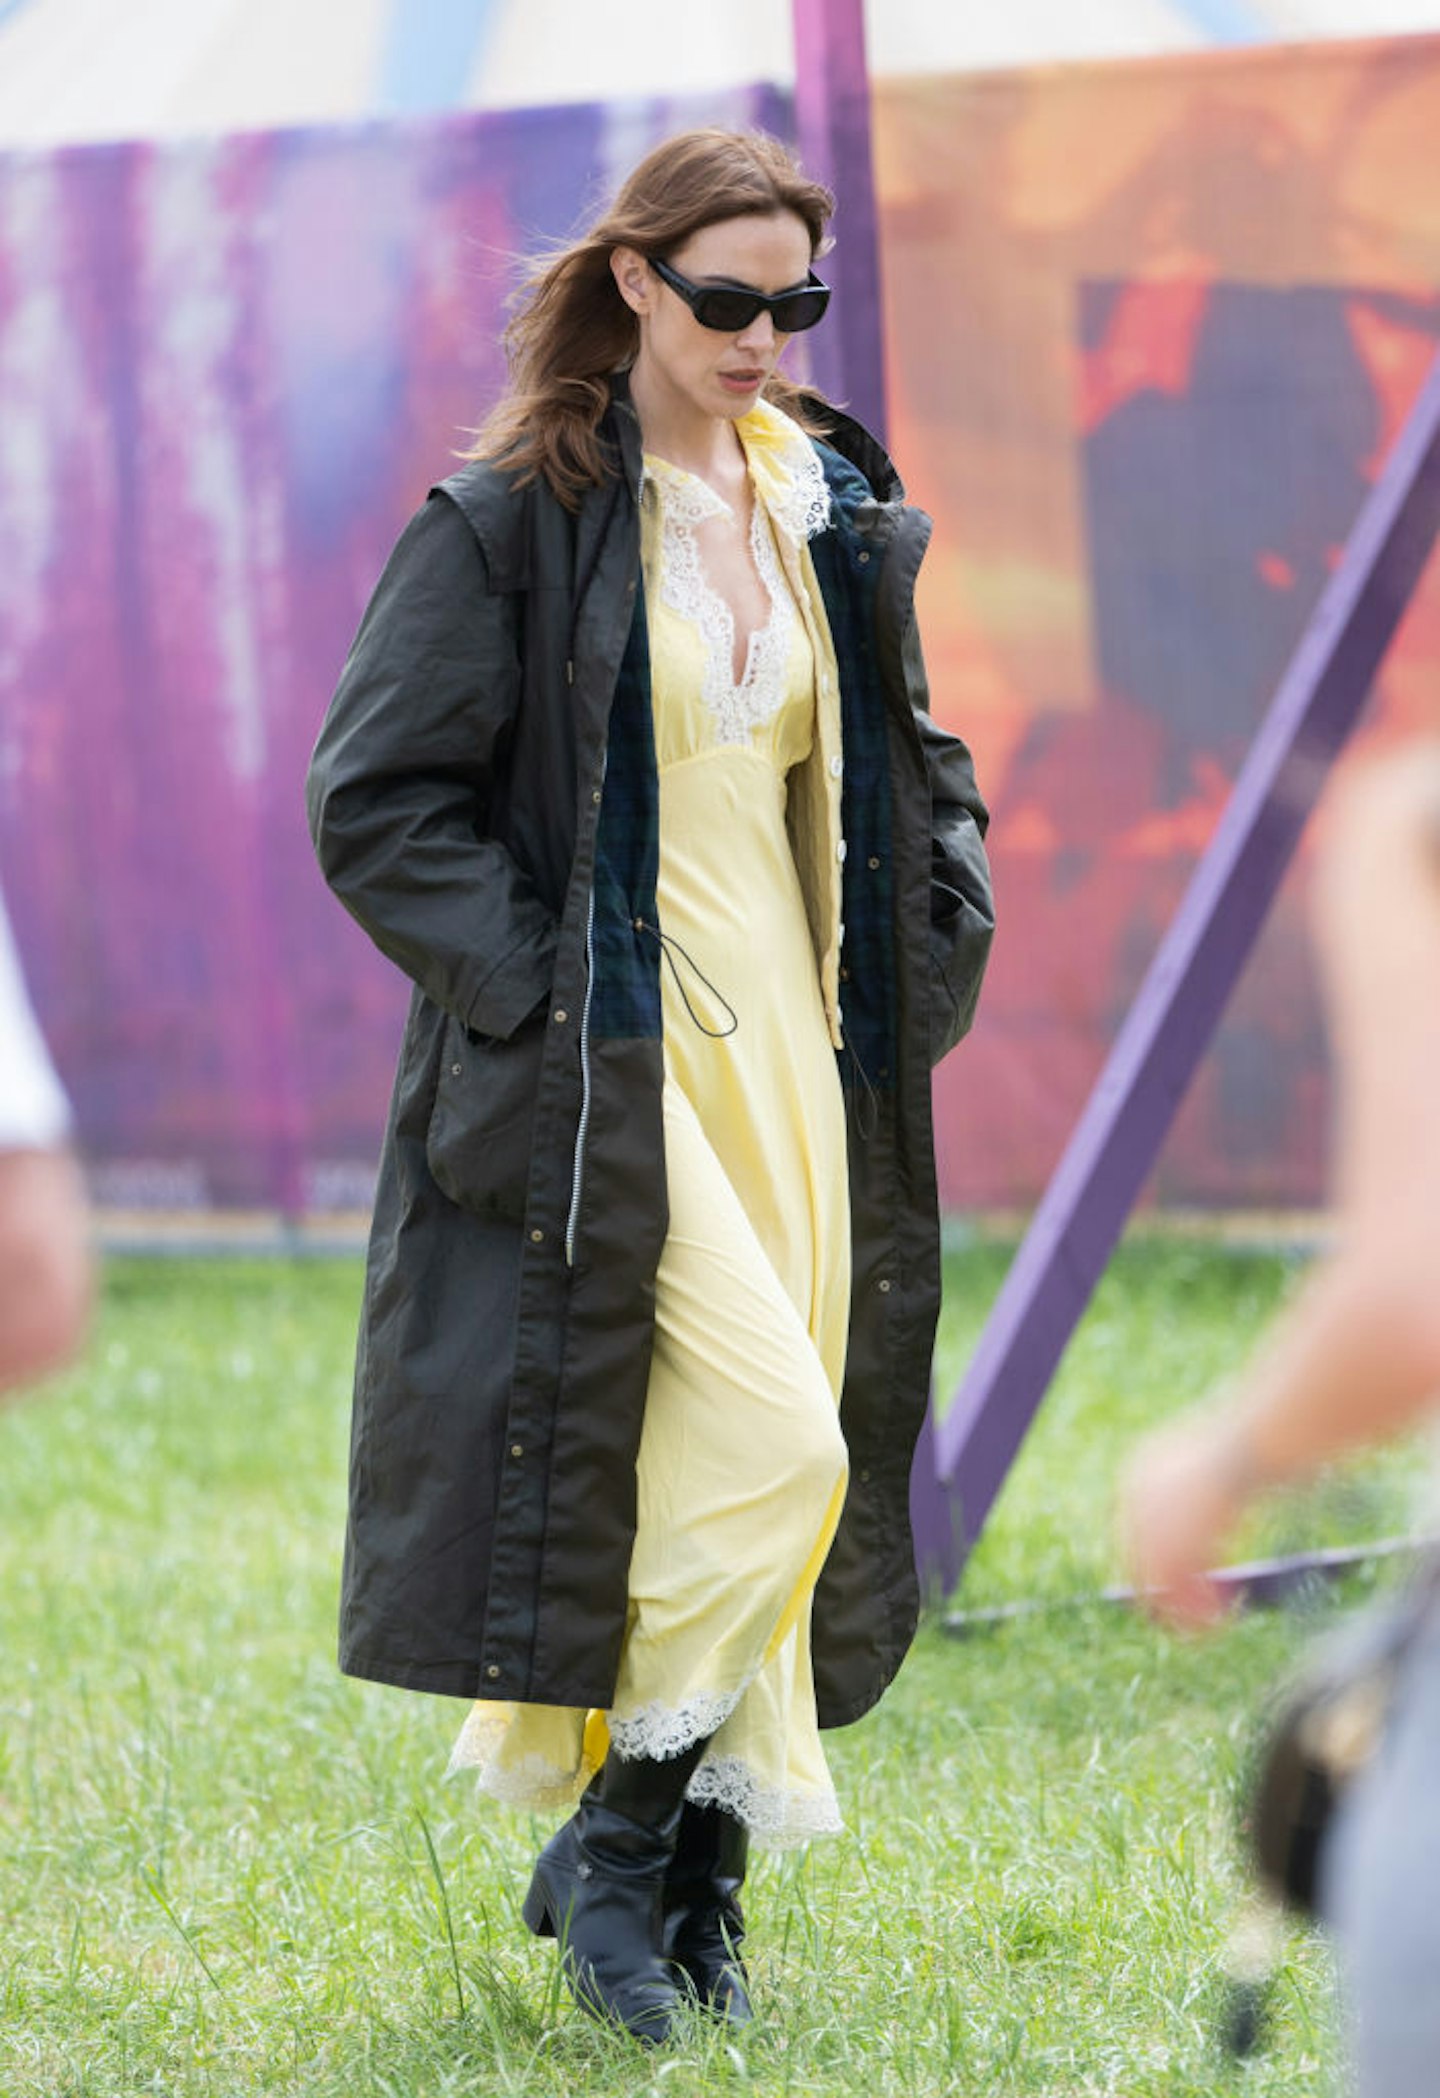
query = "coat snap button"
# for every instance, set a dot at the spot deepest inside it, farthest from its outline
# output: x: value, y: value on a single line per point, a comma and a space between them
x: 561, y: 1016
x: 884, y: 1286
x: 517, y: 1449
x: 584, y: 1871
x: 493, y: 1673
x: 537, y: 1238
x: 456, y: 1069
x: 837, y: 766
x: 873, y: 863
x: 841, y: 849
x: 862, y: 557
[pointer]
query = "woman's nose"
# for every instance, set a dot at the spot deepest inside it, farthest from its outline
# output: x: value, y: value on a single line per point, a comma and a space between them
x: 760, y: 334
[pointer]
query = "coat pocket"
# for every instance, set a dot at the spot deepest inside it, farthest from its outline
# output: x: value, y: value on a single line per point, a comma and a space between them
x: 946, y: 1019
x: 478, y: 1141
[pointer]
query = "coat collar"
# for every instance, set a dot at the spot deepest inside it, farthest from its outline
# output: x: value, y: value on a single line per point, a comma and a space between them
x: 855, y: 444
x: 624, y: 431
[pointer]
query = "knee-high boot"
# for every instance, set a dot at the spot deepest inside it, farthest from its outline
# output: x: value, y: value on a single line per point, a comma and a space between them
x: 704, y: 1926
x: 599, y: 1888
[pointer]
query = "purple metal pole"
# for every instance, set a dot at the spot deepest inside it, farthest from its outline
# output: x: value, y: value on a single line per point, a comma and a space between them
x: 1257, y: 1584
x: 1175, y: 1012
x: 933, y: 1518
x: 832, y: 124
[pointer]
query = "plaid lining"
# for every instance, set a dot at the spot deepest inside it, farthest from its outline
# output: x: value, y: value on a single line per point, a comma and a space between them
x: 625, y: 970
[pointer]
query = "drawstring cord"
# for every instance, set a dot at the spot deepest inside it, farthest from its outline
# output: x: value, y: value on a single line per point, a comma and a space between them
x: 867, y: 1107
x: 667, y: 941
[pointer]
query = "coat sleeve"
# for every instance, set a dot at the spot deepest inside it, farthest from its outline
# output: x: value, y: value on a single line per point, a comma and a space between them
x: 402, y: 780
x: 962, y: 906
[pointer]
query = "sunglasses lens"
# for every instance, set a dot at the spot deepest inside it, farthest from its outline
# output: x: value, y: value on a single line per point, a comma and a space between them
x: 801, y: 309
x: 729, y: 311
x: 715, y: 306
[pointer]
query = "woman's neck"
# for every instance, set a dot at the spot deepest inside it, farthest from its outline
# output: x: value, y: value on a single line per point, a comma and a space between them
x: 707, y: 445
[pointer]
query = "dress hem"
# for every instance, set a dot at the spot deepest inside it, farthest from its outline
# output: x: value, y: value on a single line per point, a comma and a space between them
x: 775, y: 1819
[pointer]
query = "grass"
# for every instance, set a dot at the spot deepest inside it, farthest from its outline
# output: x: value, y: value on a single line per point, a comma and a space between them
x: 224, y: 1870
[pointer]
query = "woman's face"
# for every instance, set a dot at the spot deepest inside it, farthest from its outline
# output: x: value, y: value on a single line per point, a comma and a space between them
x: 692, y: 372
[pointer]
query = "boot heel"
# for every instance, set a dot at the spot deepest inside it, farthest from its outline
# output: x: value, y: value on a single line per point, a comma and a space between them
x: 536, y: 1912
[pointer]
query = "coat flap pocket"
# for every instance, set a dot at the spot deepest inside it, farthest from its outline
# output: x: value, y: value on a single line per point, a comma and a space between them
x: 479, y: 1139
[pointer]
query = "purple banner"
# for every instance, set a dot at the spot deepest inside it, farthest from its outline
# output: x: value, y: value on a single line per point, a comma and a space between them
x: 228, y: 372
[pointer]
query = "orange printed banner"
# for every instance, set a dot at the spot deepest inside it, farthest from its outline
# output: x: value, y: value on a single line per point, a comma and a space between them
x: 1151, y: 329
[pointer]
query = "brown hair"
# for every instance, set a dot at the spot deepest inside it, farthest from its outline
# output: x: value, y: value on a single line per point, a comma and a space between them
x: 572, y: 328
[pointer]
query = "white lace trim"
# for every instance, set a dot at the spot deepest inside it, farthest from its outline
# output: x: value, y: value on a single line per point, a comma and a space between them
x: 658, y: 1731
x: 531, y: 1781
x: 798, y: 496
x: 737, y: 710
x: 781, y: 459
x: 687, y: 498
x: 776, y: 1818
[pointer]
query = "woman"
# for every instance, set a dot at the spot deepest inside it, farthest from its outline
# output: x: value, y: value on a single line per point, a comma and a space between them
x: 47, y: 1278
x: 630, y: 770
x: 1356, y: 1359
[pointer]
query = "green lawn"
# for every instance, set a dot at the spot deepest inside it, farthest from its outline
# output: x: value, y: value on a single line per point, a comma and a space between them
x: 225, y: 1870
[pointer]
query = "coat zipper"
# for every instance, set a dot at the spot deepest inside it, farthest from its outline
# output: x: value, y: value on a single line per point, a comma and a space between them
x: 578, y: 1173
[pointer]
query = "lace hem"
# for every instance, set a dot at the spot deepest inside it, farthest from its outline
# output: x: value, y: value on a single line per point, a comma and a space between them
x: 530, y: 1781
x: 778, y: 1819
x: 658, y: 1732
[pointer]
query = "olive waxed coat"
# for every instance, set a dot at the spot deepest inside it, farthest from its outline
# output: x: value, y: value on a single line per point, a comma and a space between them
x: 483, y: 799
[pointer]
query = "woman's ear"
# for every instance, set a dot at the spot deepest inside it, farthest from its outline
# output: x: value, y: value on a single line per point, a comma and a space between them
x: 632, y: 274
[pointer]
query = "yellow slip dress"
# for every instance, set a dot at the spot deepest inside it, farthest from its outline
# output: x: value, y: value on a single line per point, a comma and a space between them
x: 742, y: 1467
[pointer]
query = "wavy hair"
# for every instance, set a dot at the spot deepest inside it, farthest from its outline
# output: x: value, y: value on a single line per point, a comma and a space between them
x: 571, y: 329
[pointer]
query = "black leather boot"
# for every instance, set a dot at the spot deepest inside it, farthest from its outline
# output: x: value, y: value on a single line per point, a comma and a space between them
x: 599, y: 1888
x: 704, y: 1926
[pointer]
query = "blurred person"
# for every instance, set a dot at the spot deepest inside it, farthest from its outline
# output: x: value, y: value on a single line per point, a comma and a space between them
x: 1354, y: 1360
x: 631, y: 770
x: 45, y: 1261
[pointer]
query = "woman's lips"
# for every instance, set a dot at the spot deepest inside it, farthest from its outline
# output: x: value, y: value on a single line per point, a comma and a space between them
x: 743, y: 381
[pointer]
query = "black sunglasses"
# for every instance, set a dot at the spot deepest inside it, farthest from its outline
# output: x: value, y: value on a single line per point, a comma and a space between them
x: 729, y: 308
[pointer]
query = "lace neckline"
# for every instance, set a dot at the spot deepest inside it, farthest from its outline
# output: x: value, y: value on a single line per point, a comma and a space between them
x: 790, y: 503
x: 686, y: 495
x: 785, y: 475
x: 737, y: 707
